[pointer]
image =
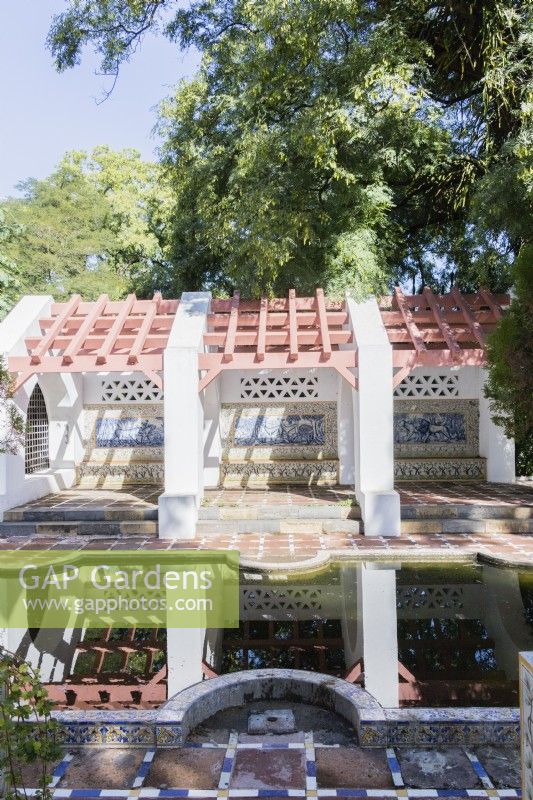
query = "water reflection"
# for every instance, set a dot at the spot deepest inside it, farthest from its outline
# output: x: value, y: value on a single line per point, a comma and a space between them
x: 422, y: 634
x: 411, y: 634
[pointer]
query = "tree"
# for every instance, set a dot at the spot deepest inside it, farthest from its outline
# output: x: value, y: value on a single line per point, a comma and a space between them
x: 86, y: 228
x: 510, y: 357
x: 349, y: 144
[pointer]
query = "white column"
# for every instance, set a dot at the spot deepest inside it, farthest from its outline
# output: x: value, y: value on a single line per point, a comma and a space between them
x: 345, y: 428
x: 185, y: 651
x: 212, y: 440
x: 183, y: 415
x: 373, y: 423
x: 493, y: 443
x: 377, y: 622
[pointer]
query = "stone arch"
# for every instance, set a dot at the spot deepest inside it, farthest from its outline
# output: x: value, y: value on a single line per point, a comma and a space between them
x: 37, y: 443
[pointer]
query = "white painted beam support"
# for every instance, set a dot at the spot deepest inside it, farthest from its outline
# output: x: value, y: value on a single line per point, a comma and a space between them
x: 493, y: 443
x: 373, y: 422
x: 183, y: 415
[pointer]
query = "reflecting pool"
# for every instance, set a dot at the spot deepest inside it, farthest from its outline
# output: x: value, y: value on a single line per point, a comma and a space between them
x: 439, y: 634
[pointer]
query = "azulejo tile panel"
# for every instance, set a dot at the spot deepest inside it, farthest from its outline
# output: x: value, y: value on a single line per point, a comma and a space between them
x: 123, y: 425
x: 129, y: 432
x: 445, y: 469
x: 429, y: 428
x: 526, y: 715
x: 102, y: 475
x: 289, y: 429
x: 284, y: 431
x: 436, y: 428
x: 324, y: 473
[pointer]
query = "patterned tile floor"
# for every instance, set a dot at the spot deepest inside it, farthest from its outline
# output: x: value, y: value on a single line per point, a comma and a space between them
x: 293, y: 766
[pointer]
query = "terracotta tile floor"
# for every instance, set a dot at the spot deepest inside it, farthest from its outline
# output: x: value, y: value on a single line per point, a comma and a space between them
x: 278, y: 548
x: 411, y: 492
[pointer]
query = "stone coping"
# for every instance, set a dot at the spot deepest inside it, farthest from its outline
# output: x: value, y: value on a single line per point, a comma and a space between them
x: 170, y: 725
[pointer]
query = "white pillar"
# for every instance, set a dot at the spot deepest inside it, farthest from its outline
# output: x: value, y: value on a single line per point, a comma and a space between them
x: 345, y: 428
x: 185, y: 652
x: 212, y: 440
x: 377, y: 621
x: 183, y: 415
x: 373, y: 422
x: 493, y: 443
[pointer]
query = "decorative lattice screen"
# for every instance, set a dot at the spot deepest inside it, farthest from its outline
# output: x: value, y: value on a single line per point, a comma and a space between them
x: 428, y: 386
x: 36, y: 451
x: 130, y: 390
x: 279, y: 388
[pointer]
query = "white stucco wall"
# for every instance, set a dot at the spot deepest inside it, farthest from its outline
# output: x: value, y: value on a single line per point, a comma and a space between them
x: 63, y: 395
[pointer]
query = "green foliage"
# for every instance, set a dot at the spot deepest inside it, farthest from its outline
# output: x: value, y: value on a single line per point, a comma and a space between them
x: 11, y: 422
x: 28, y: 735
x: 510, y: 357
x: 333, y: 142
x: 91, y: 227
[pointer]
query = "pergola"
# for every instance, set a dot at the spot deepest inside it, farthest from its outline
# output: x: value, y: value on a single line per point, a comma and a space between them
x: 305, y: 332
x: 100, y: 336
x: 439, y: 330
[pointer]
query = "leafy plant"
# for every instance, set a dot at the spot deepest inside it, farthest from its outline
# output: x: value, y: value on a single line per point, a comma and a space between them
x: 11, y: 422
x: 510, y: 357
x: 28, y: 735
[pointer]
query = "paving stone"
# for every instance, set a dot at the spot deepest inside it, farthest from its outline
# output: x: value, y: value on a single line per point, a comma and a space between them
x: 277, y: 720
x: 436, y: 768
x: 174, y: 768
x: 352, y: 768
x: 269, y: 769
x: 502, y: 764
x: 102, y: 768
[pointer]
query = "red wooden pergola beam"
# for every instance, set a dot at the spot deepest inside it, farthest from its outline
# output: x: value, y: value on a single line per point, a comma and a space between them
x: 68, y: 309
x: 144, y: 330
x: 293, y: 326
x: 475, y: 327
x: 489, y: 300
x: 85, y: 328
x: 276, y: 304
x: 442, y: 324
x: 467, y: 357
x: 279, y: 319
x: 323, y: 323
x: 229, y: 345
x: 261, y: 329
x: 410, y: 324
x: 275, y: 338
x: 109, y: 342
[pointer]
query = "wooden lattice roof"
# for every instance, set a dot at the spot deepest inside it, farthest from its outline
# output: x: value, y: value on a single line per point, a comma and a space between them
x: 305, y: 332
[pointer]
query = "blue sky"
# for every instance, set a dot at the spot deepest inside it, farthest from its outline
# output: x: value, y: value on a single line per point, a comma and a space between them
x: 44, y: 114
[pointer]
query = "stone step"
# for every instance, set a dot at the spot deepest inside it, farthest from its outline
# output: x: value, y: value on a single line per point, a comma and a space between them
x: 336, y: 511
x: 77, y: 514
x: 466, y: 511
x: 79, y: 528
x: 451, y: 526
x: 286, y: 526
